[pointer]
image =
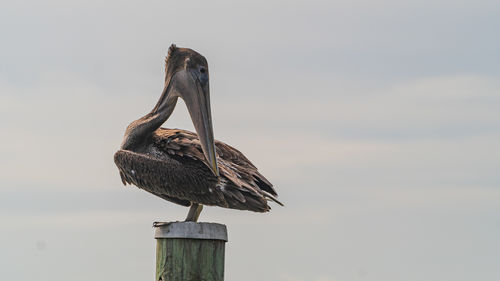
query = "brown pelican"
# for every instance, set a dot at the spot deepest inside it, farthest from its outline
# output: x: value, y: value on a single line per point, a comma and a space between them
x: 183, y: 167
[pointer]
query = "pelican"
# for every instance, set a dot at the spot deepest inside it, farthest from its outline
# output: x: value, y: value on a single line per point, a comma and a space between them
x: 186, y: 168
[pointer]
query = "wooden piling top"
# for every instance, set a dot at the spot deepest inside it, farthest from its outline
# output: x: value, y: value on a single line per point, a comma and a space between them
x: 191, y: 230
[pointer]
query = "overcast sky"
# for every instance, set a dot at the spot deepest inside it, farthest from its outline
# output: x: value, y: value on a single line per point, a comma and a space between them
x: 377, y: 121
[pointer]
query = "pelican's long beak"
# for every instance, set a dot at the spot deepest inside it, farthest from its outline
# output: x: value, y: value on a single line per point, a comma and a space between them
x: 197, y: 99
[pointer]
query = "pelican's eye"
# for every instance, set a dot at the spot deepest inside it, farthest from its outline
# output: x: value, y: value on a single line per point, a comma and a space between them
x: 203, y: 76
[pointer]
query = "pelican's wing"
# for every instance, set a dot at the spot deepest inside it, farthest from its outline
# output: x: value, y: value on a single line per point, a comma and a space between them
x: 240, y: 179
x: 168, y: 178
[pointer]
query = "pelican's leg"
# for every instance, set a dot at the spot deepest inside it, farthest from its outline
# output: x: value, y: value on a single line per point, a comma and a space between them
x: 194, y: 212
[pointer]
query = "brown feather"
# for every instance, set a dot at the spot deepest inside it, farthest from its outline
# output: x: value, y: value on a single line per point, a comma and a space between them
x: 173, y: 167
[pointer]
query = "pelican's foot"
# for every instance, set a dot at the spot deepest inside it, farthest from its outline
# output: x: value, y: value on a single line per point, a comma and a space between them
x: 160, y: 223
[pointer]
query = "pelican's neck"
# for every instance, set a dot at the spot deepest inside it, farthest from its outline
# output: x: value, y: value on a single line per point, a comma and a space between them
x: 140, y: 129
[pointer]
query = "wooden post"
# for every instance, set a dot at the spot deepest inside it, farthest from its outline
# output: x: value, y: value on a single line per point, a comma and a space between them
x: 190, y: 251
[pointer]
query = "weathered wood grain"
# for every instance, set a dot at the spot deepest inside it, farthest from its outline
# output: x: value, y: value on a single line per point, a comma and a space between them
x: 188, y: 259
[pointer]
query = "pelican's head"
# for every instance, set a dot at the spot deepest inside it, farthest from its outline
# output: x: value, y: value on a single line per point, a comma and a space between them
x: 186, y: 76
